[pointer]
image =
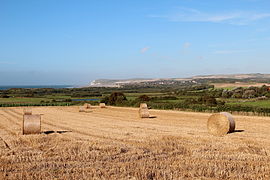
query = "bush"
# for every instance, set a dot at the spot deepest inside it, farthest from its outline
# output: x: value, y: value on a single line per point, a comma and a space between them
x: 249, y: 94
x: 115, y: 98
x: 226, y: 94
x: 105, y: 100
x: 165, y: 98
x: 206, y: 100
x: 143, y: 98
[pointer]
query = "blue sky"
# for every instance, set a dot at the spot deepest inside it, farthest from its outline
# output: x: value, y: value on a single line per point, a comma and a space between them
x: 76, y: 41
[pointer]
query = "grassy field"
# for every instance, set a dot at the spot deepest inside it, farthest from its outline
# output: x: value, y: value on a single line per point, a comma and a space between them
x: 132, y: 96
x: 36, y: 100
x: 114, y: 143
x: 256, y: 103
x: 22, y: 100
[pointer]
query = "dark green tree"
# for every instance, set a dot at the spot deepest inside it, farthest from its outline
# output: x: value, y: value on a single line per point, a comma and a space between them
x: 116, y: 98
x: 143, y: 98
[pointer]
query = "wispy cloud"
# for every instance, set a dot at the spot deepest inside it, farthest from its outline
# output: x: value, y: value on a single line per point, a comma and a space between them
x: 144, y: 50
x: 186, y: 45
x: 233, y: 17
x: 185, y: 49
x: 230, y: 51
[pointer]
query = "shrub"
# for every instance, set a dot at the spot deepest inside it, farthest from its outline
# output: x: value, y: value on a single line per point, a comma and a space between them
x: 143, y: 98
x: 105, y: 100
x: 249, y: 94
x: 114, y: 99
x: 5, y: 96
x: 165, y: 98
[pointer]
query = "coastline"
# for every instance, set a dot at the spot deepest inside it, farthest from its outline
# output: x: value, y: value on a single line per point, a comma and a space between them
x: 37, y: 86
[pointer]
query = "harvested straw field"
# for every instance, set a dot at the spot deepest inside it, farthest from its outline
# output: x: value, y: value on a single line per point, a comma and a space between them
x: 238, y: 84
x: 114, y: 143
x: 27, y: 111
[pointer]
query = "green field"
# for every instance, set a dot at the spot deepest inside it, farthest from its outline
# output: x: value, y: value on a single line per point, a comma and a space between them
x: 35, y: 100
x: 22, y: 100
x: 258, y: 103
x: 200, y: 98
x: 130, y: 96
x: 133, y: 96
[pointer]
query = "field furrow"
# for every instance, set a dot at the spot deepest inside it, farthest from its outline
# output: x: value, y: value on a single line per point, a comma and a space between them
x: 114, y: 143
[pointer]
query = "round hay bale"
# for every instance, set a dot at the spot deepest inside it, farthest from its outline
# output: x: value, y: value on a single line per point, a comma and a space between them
x: 102, y: 105
x: 87, y: 106
x: 82, y: 109
x: 144, y: 113
x: 31, y: 124
x: 231, y: 119
x: 221, y: 124
x: 143, y: 106
x: 27, y: 111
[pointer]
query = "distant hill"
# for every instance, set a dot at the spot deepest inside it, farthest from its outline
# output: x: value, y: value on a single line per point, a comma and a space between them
x: 234, y: 76
x: 222, y: 78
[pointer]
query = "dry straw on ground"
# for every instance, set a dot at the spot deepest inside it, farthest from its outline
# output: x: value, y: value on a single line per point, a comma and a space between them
x: 31, y: 124
x: 221, y: 124
x: 115, y: 144
x: 27, y: 111
x: 102, y: 105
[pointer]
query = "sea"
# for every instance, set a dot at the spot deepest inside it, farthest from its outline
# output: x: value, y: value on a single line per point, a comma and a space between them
x: 37, y: 86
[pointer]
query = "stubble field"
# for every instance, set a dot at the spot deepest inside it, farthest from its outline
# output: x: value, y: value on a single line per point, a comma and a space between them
x: 114, y: 143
